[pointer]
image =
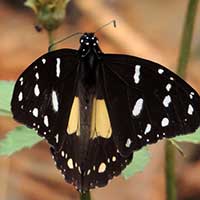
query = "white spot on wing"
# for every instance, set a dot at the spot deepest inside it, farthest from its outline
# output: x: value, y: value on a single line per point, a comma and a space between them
x: 21, y: 81
x: 58, y: 67
x: 137, y: 74
x: 167, y: 100
x: 46, y: 121
x: 88, y: 172
x: 79, y: 169
x: 160, y: 71
x: 191, y: 95
x: 128, y: 143
x: 57, y: 138
x: 62, y: 153
x: 139, y: 136
x: 102, y: 167
x: 20, y: 96
x: 37, y: 75
x: 35, y: 112
x: 113, y: 158
x: 164, y: 122
x: 70, y: 163
x: 43, y: 60
x: 138, y: 107
x: 36, y: 90
x: 190, y: 109
x: 147, y: 129
x: 168, y: 87
x: 55, y: 101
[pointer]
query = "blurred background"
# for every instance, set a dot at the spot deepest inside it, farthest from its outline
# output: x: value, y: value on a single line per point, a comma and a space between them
x: 149, y: 29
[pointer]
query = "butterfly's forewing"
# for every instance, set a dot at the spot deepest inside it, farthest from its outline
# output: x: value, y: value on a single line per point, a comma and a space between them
x: 44, y: 92
x: 147, y: 102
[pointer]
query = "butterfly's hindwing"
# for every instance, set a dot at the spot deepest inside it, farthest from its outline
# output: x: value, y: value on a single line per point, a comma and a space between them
x: 103, y: 161
x: 44, y: 92
x: 147, y: 102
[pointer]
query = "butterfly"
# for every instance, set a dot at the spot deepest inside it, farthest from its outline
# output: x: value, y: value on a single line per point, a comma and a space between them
x: 96, y: 109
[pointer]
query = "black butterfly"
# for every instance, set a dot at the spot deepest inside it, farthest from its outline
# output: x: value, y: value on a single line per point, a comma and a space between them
x: 96, y: 109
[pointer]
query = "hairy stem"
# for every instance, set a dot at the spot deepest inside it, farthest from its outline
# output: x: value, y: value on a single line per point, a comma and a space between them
x: 182, y: 64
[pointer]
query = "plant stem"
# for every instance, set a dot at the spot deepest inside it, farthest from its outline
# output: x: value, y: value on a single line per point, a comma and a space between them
x: 51, y: 39
x: 187, y: 37
x: 169, y: 171
x: 85, y: 196
x: 182, y: 64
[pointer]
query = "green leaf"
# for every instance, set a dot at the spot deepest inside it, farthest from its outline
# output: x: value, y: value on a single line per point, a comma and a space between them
x: 17, y: 139
x: 6, y: 90
x: 192, y: 138
x: 140, y: 160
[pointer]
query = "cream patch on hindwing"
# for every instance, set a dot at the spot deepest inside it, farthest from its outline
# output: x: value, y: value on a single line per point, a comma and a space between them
x: 55, y: 101
x: 137, y: 107
x: 58, y: 67
x: 137, y: 74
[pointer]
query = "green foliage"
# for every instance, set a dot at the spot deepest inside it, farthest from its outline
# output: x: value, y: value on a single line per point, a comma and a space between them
x: 17, y: 139
x: 139, y: 162
x: 6, y: 89
x: 192, y: 138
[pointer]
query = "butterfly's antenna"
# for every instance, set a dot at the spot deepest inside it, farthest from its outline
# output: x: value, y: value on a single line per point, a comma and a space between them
x: 111, y: 22
x: 63, y: 39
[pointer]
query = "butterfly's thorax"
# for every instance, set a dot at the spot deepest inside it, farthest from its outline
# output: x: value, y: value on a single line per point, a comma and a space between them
x: 86, y: 90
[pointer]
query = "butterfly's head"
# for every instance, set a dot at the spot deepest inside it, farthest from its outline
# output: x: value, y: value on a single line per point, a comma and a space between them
x: 89, y: 43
